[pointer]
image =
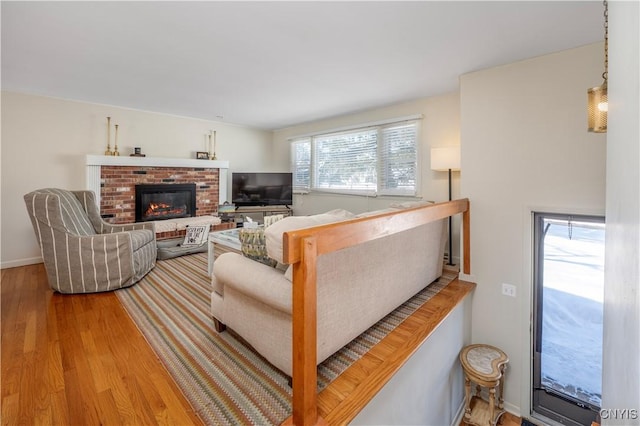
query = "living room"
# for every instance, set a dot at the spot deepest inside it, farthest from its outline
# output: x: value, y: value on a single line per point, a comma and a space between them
x: 507, y: 118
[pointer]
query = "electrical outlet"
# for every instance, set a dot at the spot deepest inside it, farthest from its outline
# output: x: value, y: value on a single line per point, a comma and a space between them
x: 509, y: 290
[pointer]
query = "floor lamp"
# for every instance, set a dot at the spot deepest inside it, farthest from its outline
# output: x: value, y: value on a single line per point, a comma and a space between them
x: 446, y: 159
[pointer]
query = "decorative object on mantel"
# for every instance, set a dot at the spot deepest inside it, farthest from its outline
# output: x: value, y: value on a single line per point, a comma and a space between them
x: 202, y: 155
x: 597, y: 100
x: 212, y: 147
x: 137, y: 152
x: 108, y: 151
x: 115, y: 148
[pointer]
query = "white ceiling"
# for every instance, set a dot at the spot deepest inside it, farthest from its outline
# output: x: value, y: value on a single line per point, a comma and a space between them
x: 274, y: 64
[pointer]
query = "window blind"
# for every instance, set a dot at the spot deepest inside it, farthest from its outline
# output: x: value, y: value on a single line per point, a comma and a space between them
x: 398, y: 159
x: 380, y: 159
x: 346, y: 162
x: 301, y: 164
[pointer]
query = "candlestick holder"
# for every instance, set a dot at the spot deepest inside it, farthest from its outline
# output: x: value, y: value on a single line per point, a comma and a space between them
x: 108, y: 151
x: 115, y: 148
x: 213, y: 157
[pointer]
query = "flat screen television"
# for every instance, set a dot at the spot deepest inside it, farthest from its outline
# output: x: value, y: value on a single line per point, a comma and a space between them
x: 261, y: 189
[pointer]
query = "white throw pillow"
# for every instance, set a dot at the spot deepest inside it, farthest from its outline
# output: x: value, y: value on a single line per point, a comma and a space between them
x: 273, y: 234
x: 196, y: 235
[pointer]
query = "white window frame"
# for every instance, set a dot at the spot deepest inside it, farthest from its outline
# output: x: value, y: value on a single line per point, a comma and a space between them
x: 297, y: 186
x: 380, y: 189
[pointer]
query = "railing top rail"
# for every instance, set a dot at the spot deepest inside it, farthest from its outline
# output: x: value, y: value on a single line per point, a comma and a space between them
x: 344, y: 234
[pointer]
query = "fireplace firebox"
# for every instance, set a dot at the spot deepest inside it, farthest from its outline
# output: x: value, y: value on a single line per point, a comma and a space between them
x: 165, y: 201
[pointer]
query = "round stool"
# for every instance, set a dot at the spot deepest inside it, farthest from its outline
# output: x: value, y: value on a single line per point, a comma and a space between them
x: 484, y: 365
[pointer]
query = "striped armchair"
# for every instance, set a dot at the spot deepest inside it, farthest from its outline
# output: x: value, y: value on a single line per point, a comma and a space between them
x: 82, y: 253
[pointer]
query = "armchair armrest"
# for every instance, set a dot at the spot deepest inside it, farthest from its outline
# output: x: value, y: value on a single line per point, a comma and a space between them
x: 88, y: 201
x: 107, y: 228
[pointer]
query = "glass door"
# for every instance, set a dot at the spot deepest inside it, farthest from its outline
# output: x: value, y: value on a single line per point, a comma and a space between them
x: 568, y: 311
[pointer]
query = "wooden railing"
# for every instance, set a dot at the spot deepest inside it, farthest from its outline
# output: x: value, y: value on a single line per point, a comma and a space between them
x: 302, y: 248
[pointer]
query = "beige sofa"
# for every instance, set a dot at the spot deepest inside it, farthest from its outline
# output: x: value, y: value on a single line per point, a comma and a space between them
x: 357, y: 287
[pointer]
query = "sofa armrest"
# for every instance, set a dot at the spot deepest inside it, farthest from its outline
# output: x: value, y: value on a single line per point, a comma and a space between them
x: 254, y: 279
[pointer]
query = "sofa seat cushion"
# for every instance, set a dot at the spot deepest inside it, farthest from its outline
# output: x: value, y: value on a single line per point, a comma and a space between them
x: 273, y: 234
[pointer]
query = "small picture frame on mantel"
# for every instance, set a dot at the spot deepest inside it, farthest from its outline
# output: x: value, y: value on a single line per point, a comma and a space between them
x: 202, y: 155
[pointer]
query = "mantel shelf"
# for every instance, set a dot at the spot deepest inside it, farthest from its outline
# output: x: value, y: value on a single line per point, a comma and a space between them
x: 107, y: 160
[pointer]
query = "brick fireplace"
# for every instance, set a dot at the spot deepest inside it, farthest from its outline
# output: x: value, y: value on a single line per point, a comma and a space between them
x: 113, y: 179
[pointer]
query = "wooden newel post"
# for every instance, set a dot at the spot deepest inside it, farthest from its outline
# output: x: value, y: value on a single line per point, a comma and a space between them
x: 305, y: 407
x: 466, y: 239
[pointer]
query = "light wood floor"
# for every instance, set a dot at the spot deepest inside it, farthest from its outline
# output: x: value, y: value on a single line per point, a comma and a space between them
x: 80, y: 360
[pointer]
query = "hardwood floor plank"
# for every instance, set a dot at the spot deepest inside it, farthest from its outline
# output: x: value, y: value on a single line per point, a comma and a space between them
x: 109, y: 412
x: 78, y: 359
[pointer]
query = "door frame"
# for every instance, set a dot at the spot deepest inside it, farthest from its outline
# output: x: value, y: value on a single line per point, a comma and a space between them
x: 546, y: 404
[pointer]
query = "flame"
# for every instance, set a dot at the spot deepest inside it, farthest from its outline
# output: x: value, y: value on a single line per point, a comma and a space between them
x: 163, y: 209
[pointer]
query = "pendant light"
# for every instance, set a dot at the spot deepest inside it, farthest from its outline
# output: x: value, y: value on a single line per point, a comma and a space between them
x: 597, y: 96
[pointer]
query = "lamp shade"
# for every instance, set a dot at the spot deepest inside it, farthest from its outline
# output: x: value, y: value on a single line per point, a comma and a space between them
x: 445, y: 158
x: 598, y: 108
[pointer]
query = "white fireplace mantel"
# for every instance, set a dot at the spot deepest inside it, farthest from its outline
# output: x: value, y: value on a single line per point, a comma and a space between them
x: 95, y: 162
x: 108, y: 160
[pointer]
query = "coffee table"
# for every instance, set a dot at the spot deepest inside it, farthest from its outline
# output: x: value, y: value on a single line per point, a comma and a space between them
x: 229, y: 238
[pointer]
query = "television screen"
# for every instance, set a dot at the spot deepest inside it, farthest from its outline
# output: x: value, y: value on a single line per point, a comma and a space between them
x: 261, y: 189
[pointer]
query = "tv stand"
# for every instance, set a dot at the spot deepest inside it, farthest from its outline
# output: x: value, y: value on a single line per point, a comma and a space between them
x: 257, y: 213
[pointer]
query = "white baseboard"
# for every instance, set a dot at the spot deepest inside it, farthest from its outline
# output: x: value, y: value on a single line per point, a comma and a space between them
x: 21, y: 262
x: 512, y: 409
x: 457, y: 420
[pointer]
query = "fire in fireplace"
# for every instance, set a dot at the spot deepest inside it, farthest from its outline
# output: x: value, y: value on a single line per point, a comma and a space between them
x: 165, y: 201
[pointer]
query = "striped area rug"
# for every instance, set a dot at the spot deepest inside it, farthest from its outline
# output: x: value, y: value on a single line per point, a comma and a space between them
x: 226, y: 381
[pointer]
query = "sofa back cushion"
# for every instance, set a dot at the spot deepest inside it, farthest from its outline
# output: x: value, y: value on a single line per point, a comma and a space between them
x: 273, y: 234
x: 363, y: 283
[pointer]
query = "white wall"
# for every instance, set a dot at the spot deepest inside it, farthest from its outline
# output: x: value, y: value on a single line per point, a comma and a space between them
x: 525, y: 147
x: 621, y: 363
x: 45, y: 140
x: 429, y: 388
x: 439, y: 127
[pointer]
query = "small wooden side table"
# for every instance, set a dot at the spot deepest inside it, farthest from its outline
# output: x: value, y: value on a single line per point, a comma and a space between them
x: 484, y: 365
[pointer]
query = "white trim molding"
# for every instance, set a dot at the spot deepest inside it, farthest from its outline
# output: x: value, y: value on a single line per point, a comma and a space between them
x: 108, y: 160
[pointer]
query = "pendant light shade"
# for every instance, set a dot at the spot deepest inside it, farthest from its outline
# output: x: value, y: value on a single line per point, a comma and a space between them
x: 597, y: 102
x: 598, y: 107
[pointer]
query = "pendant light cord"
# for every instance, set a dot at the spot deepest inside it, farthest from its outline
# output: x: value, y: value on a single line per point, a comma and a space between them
x: 605, y: 74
